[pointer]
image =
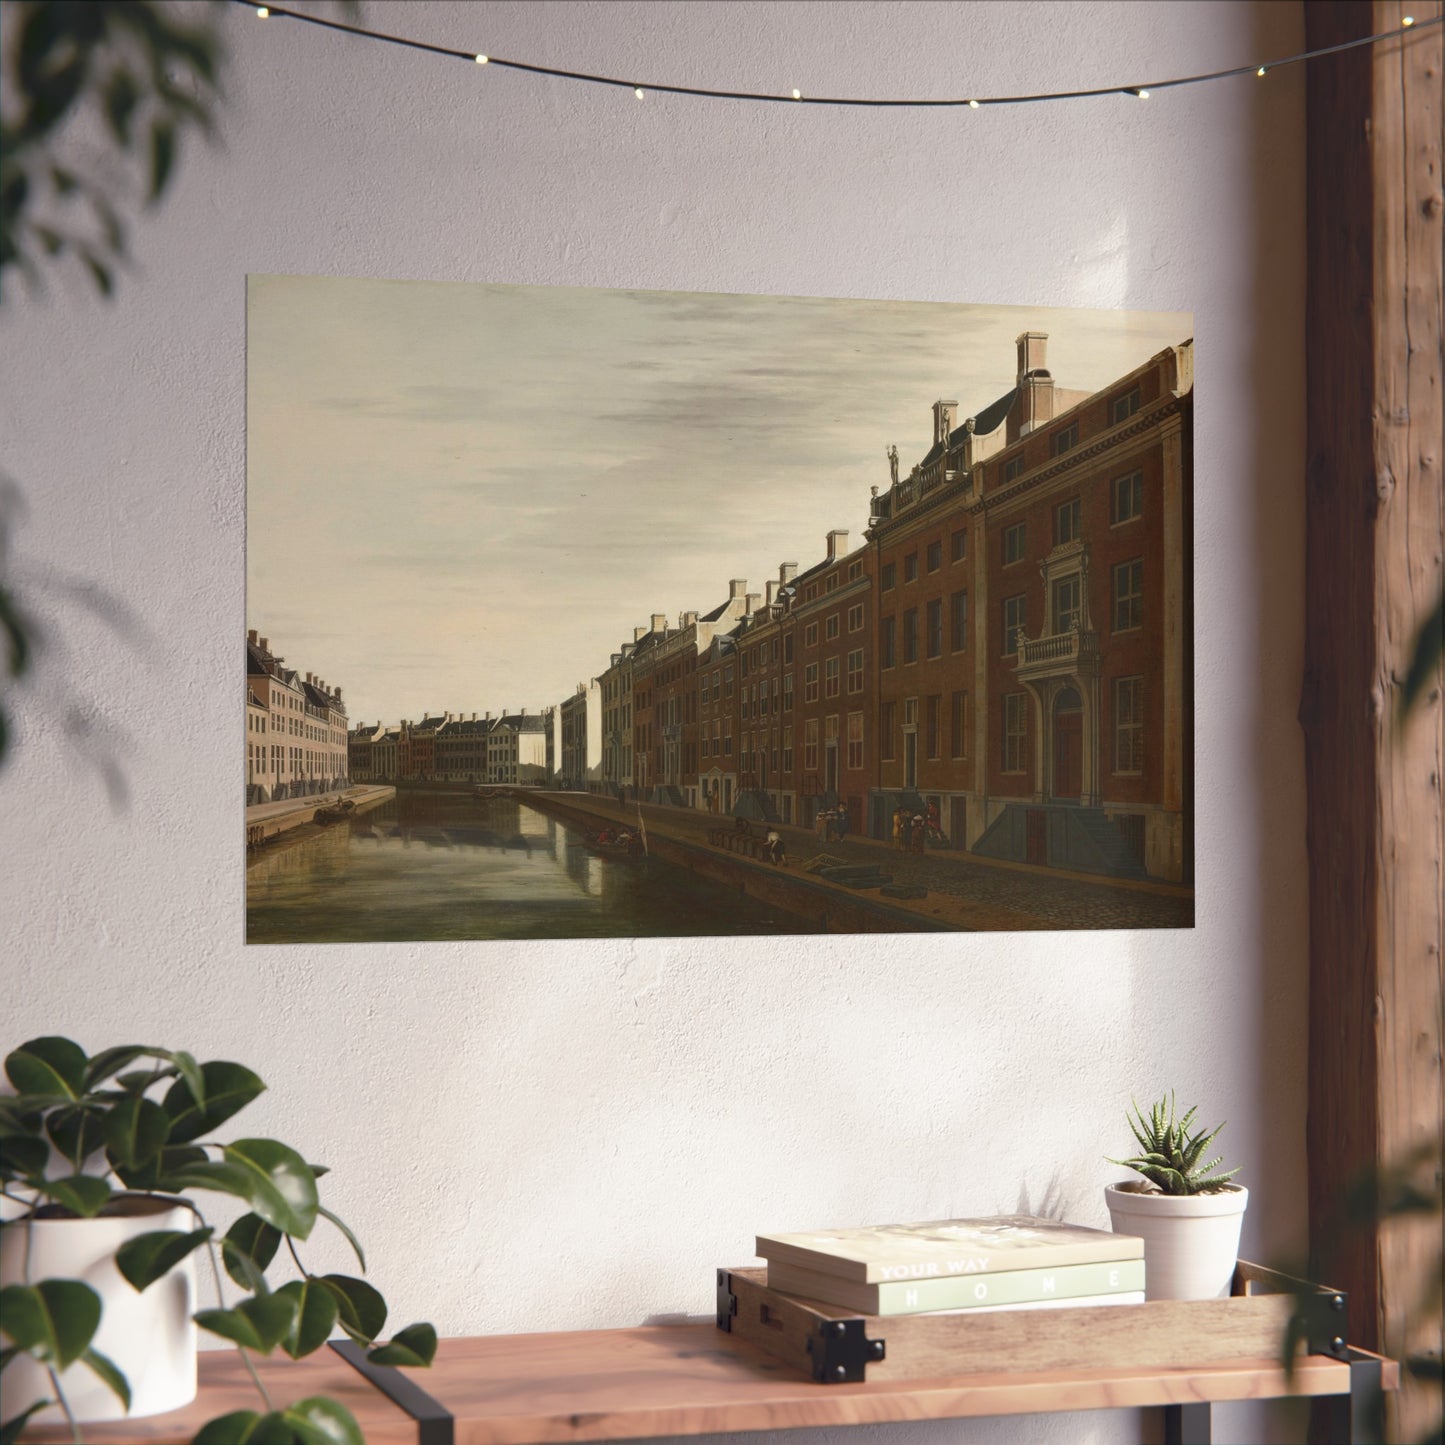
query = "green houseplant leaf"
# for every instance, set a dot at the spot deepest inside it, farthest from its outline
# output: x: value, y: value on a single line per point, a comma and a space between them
x: 105, y: 1369
x: 11, y: 1430
x: 245, y: 1427
x: 228, y: 1088
x: 50, y: 1065
x: 259, y: 1323
x: 282, y: 1186
x: 82, y: 1194
x: 54, y: 1320
x: 136, y: 1129
x: 248, y: 1248
x: 316, y: 1311
x: 415, y: 1345
x: 361, y: 1309
x: 149, y: 1257
x: 319, y: 1421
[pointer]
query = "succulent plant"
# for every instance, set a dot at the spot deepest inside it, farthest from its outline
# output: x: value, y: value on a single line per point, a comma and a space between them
x: 1170, y: 1153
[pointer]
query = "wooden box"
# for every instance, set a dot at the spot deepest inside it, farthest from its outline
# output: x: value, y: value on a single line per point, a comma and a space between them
x: 836, y: 1345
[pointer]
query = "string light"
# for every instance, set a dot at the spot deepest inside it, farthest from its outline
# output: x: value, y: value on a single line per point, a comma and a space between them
x: 1142, y: 92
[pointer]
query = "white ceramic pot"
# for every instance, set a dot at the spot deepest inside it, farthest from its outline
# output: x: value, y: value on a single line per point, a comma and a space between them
x: 1191, y: 1241
x: 150, y: 1336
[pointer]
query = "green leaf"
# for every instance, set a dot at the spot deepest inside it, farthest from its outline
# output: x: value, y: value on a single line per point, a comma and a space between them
x: 226, y: 1089
x: 415, y: 1345
x: 282, y: 1186
x: 245, y: 1427
x: 111, y: 1061
x: 361, y: 1309
x: 50, y: 1065
x: 149, y: 1257
x: 83, y: 1194
x: 11, y: 1430
x: 156, y: 1174
x: 351, y: 1239
x: 248, y: 1248
x: 136, y: 1130
x: 316, y: 1311
x: 21, y: 1157
x: 76, y: 1130
x: 107, y: 1370
x: 54, y: 1320
x: 319, y: 1421
x: 259, y: 1323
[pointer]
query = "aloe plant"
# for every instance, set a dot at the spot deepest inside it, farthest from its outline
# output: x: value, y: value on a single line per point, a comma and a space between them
x: 1171, y: 1154
x: 81, y: 1131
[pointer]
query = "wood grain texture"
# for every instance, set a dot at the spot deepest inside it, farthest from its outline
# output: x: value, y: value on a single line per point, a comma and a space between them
x: 225, y: 1386
x: 1157, y: 1335
x: 695, y: 1379
x: 1373, y: 568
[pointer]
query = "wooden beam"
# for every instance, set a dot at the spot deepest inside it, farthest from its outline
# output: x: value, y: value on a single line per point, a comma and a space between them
x: 1374, y: 544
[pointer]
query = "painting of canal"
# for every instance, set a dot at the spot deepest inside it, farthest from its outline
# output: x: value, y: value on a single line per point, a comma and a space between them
x: 591, y: 614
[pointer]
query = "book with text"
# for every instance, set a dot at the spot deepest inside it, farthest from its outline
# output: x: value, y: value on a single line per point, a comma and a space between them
x: 961, y: 1292
x: 942, y: 1247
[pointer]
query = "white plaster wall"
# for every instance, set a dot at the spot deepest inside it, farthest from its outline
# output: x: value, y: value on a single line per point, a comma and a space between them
x: 545, y: 1136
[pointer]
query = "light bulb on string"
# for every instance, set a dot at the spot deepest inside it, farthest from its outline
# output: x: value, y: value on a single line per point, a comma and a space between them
x: 638, y: 92
x: 262, y: 12
x: 973, y: 105
x: 1406, y: 22
x: 482, y: 59
x: 1262, y: 72
x: 797, y: 95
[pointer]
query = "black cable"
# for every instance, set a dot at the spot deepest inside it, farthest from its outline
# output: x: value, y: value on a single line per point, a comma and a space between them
x: 972, y: 102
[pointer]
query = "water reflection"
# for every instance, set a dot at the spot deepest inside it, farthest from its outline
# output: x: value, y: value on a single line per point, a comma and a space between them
x: 436, y: 865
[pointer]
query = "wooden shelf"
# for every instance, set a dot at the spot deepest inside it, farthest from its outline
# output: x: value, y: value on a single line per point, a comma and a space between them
x: 693, y: 1379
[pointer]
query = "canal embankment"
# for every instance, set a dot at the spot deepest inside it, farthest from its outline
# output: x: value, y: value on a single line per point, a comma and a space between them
x: 681, y: 839
x: 268, y: 822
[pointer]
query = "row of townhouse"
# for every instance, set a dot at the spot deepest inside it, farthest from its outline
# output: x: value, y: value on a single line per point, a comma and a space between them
x: 295, y: 729
x: 1009, y: 651
x: 512, y: 748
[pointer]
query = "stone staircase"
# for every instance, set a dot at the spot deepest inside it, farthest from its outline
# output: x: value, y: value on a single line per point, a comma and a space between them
x: 1082, y: 840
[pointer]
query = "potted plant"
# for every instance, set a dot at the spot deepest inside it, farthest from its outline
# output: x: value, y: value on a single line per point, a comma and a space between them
x: 1187, y: 1213
x: 102, y: 1229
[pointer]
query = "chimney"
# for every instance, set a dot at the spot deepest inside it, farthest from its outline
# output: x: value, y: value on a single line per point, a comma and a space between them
x: 616, y: 658
x: 689, y: 619
x: 736, y: 588
x: 1035, y: 404
x: 786, y: 572
x: 338, y: 694
x: 638, y: 633
x: 488, y: 718
x: 838, y: 540
x: 1031, y: 345
x: 659, y: 622
x: 944, y: 415
x: 251, y: 636
x: 754, y: 601
x: 264, y: 644
x: 771, y: 594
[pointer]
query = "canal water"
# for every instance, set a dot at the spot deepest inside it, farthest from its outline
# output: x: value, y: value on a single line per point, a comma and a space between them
x: 443, y: 865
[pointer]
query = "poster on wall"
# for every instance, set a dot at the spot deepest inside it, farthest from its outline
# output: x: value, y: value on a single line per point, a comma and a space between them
x: 595, y: 613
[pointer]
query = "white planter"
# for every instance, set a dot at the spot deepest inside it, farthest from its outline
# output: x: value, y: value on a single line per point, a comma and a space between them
x: 149, y: 1336
x: 1191, y: 1241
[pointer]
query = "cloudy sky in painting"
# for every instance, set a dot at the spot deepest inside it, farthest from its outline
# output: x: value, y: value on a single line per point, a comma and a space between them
x: 465, y: 497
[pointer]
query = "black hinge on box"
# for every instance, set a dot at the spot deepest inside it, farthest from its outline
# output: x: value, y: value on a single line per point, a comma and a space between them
x: 727, y: 1301
x: 1327, y: 1327
x: 841, y: 1352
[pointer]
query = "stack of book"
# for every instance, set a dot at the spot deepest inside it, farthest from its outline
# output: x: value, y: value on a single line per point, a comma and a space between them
x: 1012, y: 1261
